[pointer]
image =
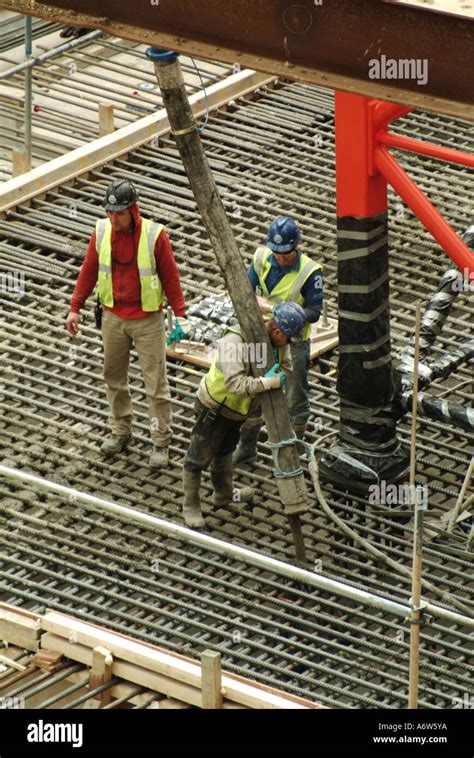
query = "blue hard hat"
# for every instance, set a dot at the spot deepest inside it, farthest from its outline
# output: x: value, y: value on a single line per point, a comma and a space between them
x: 290, y: 318
x: 283, y: 235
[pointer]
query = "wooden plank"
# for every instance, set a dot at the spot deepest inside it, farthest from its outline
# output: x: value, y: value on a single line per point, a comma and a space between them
x: 323, y: 338
x: 130, y: 672
x: 170, y: 703
x: 48, y: 660
x: 5, y: 660
x: 170, y: 665
x: 16, y: 678
x: 101, y: 672
x: 144, y: 696
x: 20, y: 162
x: 122, y: 689
x: 106, y: 119
x: 198, y: 355
x: 126, y: 649
x: 211, y: 683
x: 19, y: 628
x: 322, y: 341
x: 20, y: 613
x: 111, y: 146
x: 173, y: 690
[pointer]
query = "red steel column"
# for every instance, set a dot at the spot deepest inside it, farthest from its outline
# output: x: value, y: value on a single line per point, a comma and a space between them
x: 368, y: 450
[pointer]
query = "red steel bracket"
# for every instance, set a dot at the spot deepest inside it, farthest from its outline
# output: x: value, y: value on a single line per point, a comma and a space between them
x: 364, y: 166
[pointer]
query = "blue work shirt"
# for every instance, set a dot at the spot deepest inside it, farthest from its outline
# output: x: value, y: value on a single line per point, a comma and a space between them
x: 312, y: 289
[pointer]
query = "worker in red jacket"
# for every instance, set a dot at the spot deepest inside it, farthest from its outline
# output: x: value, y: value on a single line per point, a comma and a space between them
x: 131, y: 261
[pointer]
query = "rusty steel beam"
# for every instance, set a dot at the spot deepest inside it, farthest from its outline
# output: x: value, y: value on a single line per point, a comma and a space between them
x: 324, y: 42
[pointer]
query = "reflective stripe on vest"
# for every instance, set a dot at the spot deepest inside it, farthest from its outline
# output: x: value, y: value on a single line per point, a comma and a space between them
x: 151, y: 287
x: 289, y: 287
x: 214, y: 380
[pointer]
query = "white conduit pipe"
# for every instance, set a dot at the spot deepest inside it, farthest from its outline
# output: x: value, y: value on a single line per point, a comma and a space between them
x: 236, y: 551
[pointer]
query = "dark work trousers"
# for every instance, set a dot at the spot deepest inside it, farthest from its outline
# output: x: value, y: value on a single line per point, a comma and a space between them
x: 296, y: 387
x: 210, y: 438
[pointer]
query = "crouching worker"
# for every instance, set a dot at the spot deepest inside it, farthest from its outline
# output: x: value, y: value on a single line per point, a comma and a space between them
x: 225, y: 397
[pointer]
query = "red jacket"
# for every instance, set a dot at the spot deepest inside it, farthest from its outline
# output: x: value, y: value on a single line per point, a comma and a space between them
x: 125, y: 277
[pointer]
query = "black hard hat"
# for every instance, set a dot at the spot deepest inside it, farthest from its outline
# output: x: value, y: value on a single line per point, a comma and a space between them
x: 120, y: 194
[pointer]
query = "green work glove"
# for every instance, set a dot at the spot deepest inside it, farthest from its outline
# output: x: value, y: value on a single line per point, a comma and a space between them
x: 274, y: 370
x: 178, y: 333
x: 274, y: 378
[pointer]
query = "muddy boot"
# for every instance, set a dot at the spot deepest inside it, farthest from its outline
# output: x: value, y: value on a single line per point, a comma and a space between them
x: 300, y: 429
x: 159, y: 457
x: 221, y: 477
x: 192, y: 513
x: 115, y: 444
x: 246, y: 451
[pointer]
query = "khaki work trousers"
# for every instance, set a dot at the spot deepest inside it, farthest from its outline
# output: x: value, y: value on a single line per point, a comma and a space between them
x: 147, y: 335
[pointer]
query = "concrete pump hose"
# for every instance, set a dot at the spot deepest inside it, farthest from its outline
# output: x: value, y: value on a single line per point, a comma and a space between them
x: 314, y: 471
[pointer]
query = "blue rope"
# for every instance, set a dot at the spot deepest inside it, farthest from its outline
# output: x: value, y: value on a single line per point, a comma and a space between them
x: 206, y: 118
x: 276, y: 447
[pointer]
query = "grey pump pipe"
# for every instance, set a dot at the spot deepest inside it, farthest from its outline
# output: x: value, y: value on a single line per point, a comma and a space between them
x: 237, y: 552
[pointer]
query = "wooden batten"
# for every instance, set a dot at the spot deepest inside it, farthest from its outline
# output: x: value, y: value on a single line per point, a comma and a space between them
x: 211, y: 682
x: 174, y: 675
x: 322, y: 341
x: 122, y: 141
x: 19, y: 627
x: 130, y: 672
x: 106, y: 119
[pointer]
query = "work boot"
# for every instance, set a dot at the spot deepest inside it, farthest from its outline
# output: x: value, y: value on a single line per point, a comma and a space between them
x: 159, y: 457
x: 246, y: 451
x: 115, y: 444
x: 192, y: 513
x: 221, y: 477
x: 300, y: 429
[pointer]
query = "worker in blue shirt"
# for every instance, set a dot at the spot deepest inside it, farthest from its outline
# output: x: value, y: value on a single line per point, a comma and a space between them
x: 280, y: 272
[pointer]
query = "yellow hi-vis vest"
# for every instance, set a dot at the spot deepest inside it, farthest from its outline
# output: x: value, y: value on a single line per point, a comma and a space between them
x: 214, y: 380
x: 151, y: 287
x: 289, y: 287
